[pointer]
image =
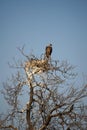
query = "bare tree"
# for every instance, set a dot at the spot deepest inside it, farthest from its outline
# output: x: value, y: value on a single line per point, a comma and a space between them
x: 54, y: 103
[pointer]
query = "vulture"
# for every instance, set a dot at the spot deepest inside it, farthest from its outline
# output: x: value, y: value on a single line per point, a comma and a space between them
x: 48, y: 51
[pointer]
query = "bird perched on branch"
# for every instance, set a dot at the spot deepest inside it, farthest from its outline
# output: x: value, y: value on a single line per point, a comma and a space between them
x: 48, y: 51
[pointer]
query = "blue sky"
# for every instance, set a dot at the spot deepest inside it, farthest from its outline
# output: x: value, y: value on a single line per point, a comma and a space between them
x: 36, y: 23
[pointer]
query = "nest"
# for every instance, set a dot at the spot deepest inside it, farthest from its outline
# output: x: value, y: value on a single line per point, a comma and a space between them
x: 38, y: 65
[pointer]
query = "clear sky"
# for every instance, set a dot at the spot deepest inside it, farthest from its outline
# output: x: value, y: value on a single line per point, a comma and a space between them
x: 36, y: 23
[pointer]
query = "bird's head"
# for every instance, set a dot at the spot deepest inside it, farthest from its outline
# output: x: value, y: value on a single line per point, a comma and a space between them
x: 50, y: 44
